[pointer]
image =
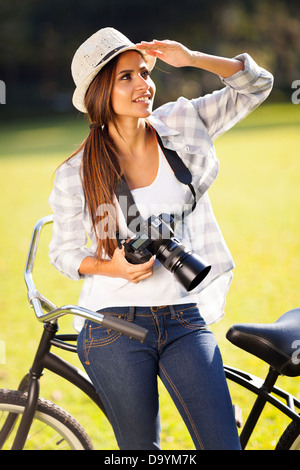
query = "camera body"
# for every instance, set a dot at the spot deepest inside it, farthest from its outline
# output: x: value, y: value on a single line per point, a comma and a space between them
x: 157, y: 238
x: 154, y: 232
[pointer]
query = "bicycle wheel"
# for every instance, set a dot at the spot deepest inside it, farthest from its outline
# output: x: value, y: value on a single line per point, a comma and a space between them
x: 290, y: 439
x: 52, y: 428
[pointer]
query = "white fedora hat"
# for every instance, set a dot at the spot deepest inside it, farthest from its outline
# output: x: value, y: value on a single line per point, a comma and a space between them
x: 93, y: 54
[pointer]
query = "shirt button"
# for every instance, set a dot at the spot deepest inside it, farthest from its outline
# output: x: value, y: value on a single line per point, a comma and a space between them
x: 187, y: 148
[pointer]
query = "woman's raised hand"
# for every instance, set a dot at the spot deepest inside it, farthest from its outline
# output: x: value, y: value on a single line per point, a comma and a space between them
x: 177, y: 55
x: 171, y: 52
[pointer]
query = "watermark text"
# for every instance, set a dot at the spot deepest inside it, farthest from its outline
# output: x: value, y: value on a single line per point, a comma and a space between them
x: 296, y: 93
x: 2, y: 92
x: 296, y: 354
x: 110, y: 221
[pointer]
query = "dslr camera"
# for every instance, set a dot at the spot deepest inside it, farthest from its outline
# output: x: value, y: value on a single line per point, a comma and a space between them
x: 157, y: 238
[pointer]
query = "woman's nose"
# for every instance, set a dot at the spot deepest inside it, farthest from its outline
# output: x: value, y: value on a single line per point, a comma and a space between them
x: 142, y: 83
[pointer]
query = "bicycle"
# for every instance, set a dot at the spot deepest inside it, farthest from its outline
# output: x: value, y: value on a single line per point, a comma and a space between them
x: 28, y: 421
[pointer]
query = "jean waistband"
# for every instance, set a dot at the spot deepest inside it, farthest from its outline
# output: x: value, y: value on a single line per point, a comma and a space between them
x: 131, y: 312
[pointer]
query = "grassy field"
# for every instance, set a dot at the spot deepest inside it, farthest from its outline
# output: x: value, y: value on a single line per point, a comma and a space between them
x: 257, y: 202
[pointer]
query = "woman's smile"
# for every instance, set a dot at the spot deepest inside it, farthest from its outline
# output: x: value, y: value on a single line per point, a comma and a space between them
x: 146, y: 99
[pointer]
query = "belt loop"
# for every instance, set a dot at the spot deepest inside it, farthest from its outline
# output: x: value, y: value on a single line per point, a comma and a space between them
x: 173, y: 312
x: 131, y: 314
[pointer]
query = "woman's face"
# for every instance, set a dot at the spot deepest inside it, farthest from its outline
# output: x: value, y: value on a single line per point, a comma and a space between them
x: 133, y: 90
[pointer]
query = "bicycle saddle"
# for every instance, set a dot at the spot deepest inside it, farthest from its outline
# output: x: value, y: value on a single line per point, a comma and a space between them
x: 276, y: 343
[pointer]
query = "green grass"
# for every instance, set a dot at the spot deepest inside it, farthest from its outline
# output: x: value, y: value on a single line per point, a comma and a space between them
x: 256, y: 199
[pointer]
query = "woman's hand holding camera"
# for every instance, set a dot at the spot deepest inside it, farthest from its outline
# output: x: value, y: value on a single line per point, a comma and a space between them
x: 120, y: 267
x: 117, y: 266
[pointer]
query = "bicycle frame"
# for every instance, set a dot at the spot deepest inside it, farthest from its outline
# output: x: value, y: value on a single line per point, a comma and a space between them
x: 48, y: 313
x: 45, y: 359
x: 264, y: 389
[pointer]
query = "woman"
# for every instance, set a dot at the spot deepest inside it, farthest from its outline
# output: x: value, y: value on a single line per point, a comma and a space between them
x: 114, y: 88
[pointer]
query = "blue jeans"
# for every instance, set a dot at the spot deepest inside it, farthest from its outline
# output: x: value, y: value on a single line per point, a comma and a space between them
x: 182, y: 351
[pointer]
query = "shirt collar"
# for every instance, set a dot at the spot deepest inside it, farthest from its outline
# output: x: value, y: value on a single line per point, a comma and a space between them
x: 161, y: 127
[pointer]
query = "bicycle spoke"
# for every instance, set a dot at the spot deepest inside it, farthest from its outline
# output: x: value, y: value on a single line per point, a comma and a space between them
x: 42, y: 430
x: 56, y: 444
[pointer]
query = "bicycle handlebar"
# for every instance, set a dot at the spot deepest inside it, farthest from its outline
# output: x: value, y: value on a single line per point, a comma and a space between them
x: 41, y: 304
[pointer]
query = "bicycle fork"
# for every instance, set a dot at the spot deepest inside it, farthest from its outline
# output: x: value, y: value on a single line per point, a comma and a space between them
x: 30, y: 384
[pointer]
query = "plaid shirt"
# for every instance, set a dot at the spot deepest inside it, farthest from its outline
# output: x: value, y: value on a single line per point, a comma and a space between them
x: 189, y: 127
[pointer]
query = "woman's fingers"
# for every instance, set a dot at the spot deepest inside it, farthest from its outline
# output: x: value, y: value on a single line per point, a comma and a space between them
x: 138, y: 272
x: 171, y: 52
x: 137, y: 278
x: 154, y: 44
x: 131, y: 272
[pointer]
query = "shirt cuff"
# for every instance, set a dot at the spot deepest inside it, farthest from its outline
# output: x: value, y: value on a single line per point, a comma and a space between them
x: 242, y: 79
x: 68, y: 263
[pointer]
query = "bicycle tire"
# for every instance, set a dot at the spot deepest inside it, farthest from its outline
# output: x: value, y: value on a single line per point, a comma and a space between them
x: 52, y: 427
x: 290, y: 439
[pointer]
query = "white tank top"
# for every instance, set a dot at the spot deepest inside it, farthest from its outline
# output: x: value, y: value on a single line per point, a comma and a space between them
x: 165, y: 194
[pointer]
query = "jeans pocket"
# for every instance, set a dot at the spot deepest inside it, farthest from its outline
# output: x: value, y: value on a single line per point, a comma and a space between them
x: 94, y: 336
x: 191, y: 319
x: 98, y: 336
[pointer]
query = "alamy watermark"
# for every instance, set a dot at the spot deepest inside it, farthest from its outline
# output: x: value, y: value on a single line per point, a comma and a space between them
x: 296, y: 93
x: 2, y: 92
x: 109, y: 222
x: 296, y: 354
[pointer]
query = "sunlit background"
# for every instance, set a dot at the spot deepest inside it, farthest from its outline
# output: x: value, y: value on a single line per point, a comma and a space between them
x: 256, y: 198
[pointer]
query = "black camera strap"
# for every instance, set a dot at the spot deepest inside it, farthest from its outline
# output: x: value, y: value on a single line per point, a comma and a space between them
x: 181, y: 172
x: 130, y: 210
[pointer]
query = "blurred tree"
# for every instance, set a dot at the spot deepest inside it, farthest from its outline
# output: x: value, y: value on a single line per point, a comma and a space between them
x: 38, y: 39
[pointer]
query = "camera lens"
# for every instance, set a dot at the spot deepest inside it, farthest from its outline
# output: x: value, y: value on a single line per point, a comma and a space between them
x: 188, y: 268
x: 191, y: 270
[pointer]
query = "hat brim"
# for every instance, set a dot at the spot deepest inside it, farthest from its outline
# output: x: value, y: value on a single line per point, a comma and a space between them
x: 80, y: 90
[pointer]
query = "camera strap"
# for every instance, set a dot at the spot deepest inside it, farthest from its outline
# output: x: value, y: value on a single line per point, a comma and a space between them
x: 181, y: 172
x: 130, y: 210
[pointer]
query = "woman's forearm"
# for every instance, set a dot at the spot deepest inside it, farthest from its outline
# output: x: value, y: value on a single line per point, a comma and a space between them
x: 219, y: 65
x: 178, y: 55
x: 117, y: 266
x: 92, y: 266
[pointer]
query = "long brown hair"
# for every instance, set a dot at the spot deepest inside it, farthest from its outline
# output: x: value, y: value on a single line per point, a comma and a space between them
x: 101, y: 168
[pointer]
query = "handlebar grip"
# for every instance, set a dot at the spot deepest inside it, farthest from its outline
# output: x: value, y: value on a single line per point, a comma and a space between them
x: 124, y: 327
